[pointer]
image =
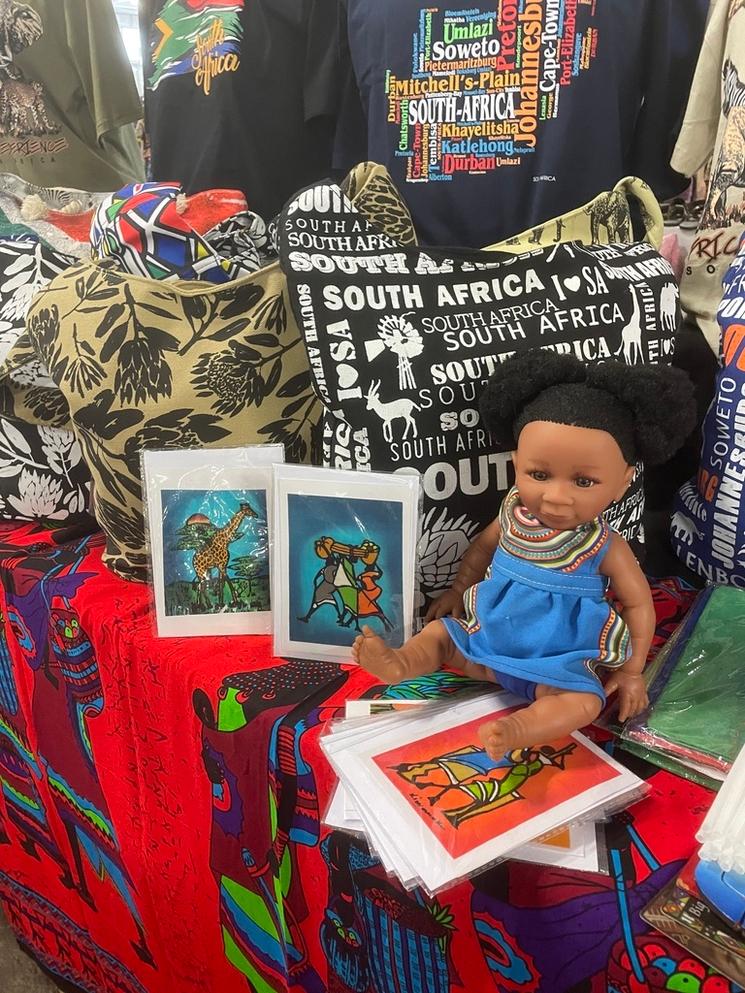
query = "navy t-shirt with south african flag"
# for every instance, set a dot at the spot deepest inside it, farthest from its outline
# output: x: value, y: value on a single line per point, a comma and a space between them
x: 496, y: 115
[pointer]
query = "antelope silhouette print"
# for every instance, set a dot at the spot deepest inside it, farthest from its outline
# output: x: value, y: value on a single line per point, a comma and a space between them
x: 401, y: 409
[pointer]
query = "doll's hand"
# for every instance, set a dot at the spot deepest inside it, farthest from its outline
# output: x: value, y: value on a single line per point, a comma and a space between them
x: 450, y: 604
x: 632, y: 693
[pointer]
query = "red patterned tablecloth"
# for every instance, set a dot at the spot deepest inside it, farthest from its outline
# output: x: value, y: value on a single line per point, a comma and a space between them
x: 160, y: 829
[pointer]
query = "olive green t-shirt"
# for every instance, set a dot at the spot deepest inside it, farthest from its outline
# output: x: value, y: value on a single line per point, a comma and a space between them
x: 68, y: 99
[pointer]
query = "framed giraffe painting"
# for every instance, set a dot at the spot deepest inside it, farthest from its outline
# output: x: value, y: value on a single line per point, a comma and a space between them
x: 208, y: 517
x: 344, y: 556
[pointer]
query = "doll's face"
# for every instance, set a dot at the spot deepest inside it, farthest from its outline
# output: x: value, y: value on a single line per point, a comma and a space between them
x: 566, y: 476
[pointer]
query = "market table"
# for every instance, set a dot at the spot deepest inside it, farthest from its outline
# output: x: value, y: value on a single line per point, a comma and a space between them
x: 160, y: 820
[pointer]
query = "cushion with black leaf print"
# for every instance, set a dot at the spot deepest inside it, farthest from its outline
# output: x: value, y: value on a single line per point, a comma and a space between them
x: 42, y: 473
x: 402, y: 339
x: 142, y: 364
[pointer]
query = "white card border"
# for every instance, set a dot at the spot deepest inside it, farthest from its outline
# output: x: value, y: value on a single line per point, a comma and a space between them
x: 215, y: 469
x: 438, y: 868
x: 342, y: 484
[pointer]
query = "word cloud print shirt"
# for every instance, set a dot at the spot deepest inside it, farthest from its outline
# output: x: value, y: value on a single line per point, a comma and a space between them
x: 495, y: 115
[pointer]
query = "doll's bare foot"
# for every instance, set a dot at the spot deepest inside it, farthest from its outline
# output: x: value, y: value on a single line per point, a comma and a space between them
x: 501, y: 736
x: 377, y: 658
x: 553, y: 715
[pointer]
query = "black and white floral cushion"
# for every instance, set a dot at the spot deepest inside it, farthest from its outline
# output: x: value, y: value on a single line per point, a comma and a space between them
x: 42, y: 473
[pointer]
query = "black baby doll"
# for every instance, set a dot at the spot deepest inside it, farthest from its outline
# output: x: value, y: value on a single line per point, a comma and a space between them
x: 529, y: 607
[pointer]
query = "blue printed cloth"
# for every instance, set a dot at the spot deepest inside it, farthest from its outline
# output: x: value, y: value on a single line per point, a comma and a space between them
x: 708, y: 523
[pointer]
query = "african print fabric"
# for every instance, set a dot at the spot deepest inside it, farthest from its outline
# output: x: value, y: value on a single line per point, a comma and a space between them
x: 170, y: 363
x: 143, y: 228
x: 526, y: 538
x: 42, y: 472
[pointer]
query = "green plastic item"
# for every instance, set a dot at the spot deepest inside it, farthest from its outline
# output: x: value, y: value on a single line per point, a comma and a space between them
x: 697, y: 690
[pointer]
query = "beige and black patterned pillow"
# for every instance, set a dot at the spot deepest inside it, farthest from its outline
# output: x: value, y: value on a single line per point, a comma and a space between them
x: 144, y: 364
x: 372, y: 191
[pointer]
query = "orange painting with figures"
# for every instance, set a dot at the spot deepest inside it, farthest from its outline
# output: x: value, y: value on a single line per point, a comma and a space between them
x: 465, y: 799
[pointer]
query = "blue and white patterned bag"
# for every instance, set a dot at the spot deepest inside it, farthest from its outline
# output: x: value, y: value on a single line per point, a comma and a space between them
x: 708, y: 524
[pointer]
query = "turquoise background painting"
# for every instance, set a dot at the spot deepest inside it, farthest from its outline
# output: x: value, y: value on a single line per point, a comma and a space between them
x: 349, y: 522
x: 248, y: 567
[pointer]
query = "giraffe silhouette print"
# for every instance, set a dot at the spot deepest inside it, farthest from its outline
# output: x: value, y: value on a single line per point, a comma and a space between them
x: 215, y: 551
x: 631, y: 335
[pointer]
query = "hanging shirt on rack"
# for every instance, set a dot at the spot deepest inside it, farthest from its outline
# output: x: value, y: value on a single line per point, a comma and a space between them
x: 241, y: 94
x: 714, y: 127
x: 496, y: 115
x: 68, y: 99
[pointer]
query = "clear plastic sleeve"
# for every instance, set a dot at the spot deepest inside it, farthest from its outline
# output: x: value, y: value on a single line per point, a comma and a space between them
x: 344, y: 557
x: 208, y: 525
x: 697, y: 688
x: 436, y: 809
x: 722, y: 833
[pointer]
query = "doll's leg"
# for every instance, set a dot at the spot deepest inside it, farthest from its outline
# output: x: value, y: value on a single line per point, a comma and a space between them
x: 426, y: 652
x: 553, y: 714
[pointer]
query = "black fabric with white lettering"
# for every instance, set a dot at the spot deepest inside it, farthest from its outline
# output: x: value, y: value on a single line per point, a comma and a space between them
x: 400, y: 341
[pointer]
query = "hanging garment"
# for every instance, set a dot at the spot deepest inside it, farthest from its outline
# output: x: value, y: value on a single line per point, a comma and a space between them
x: 493, y: 117
x: 68, y: 98
x: 242, y: 94
x: 714, y: 126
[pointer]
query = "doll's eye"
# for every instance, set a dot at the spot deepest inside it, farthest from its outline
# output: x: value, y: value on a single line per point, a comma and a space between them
x: 539, y: 475
x: 585, y: 482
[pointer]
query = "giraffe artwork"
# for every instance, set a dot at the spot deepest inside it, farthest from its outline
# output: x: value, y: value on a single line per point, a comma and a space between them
x: 208, y: 537
x: 215, y: 551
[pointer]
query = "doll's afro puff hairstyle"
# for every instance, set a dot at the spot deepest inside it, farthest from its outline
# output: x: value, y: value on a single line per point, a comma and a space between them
x: 649, y: 409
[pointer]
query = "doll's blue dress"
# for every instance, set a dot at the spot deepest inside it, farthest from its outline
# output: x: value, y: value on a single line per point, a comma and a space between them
x: 541, y: 615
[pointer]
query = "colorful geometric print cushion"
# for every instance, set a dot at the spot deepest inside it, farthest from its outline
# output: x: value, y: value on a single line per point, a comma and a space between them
x: 400, y: 341
x: 144, y: 364
x: 144, y: 228
x: 708, y: 523
x: 42, y: 473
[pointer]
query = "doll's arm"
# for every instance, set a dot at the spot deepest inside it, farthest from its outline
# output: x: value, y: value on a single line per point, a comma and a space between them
x: 472, y: 570
x: 631, y: 588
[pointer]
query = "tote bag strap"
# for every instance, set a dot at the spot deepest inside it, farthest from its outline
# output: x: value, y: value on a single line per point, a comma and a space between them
x: 634, y: 188
x: 372, y: 191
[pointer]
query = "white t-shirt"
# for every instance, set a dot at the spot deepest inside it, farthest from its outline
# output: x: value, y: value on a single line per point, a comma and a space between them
x: 714, y: 126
